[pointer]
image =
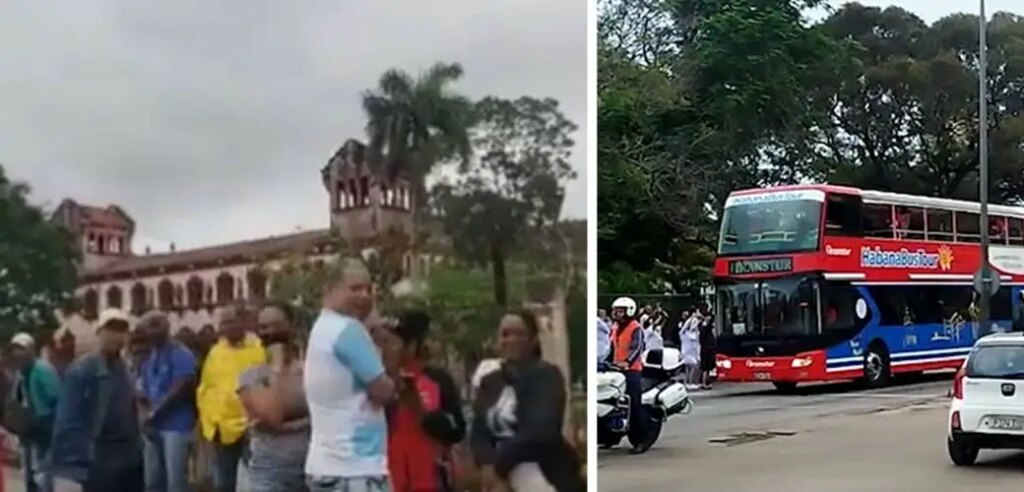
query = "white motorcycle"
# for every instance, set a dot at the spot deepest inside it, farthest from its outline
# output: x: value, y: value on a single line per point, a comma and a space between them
x: 663, y: 395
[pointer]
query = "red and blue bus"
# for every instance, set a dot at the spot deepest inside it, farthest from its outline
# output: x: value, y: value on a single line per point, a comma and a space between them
x: 823, y: 283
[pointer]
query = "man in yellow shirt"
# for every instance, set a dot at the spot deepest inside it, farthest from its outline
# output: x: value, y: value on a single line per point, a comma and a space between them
x: 221, y: 416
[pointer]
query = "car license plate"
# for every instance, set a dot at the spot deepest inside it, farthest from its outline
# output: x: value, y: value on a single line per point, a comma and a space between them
x: 1005, y: 423
x: 762, y: 376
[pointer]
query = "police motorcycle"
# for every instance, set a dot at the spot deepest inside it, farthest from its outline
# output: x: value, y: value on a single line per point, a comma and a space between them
x: 663, y: 395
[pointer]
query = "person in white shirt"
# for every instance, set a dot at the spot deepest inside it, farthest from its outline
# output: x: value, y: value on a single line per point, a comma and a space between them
x: 346, y: 390
x: 689, y: 347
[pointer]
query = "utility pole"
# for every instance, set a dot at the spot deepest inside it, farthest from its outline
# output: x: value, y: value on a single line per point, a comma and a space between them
x: 985, y: 268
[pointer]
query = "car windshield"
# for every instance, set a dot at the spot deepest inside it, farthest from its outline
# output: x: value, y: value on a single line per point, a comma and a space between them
x: 997, y: 362
x: 784, y: 307
x: 770, y: 227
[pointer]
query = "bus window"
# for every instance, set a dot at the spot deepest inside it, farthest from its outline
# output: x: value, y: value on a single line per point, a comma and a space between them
x: 838, y: 306
x: 892, y: 305
x: 1016, y: 229
x: 789, y: 307
x: 940, y: 225
x: 967, y: 230
x: 909, y: 223
x: 922, y: 302
x: 770, y: 226
x: 878, y: 221
x: 842, y: 215
x: 1002, y: 307
x: 997, y: 230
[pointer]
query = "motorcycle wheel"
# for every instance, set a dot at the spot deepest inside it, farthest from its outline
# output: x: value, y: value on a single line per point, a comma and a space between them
x: 653, y: 433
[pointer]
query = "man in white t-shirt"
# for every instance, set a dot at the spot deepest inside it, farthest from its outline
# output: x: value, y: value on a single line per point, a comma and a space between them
x: 346, y: 389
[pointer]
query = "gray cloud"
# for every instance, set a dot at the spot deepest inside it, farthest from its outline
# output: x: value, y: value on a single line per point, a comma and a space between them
x: 209, y: 121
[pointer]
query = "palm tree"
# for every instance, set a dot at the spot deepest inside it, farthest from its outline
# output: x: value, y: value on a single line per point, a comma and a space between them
x: 413, y: 124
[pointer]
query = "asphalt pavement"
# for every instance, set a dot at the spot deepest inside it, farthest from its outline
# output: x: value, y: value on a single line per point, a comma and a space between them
x: 833, y: 437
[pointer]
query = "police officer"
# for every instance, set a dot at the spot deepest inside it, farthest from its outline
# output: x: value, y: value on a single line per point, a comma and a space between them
x: 627, y: 351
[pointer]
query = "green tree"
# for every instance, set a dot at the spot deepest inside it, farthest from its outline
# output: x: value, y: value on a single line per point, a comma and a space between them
x: 414, y: 123
x: 38, y: 269
x: 697, y: 99
x: 515, y: 187
x: 907, y: 121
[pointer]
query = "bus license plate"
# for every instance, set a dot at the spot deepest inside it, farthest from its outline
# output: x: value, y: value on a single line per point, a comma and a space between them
x: 1006, y: 423
x: 762, y: 376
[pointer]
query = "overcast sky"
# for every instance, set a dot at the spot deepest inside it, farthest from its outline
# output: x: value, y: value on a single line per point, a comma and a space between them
x: 933, y: 10
x: 209, y: 121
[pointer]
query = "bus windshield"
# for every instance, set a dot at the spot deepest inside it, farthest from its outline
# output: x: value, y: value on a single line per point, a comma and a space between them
x: 782, y: 306
x: 780, y: 226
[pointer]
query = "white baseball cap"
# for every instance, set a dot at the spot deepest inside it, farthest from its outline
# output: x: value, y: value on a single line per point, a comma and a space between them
x: 23, y: 340
x: 111, y: 314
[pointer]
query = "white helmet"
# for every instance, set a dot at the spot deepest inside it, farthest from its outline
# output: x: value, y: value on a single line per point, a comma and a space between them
x: 626, y: 303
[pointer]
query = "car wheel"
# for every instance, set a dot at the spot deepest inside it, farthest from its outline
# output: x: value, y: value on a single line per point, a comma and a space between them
x: 876, y: 366
x: 961, y: 454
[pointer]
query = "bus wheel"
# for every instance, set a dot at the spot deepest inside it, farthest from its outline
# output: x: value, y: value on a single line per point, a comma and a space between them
x: 785, y: 387
x: 876, y: 366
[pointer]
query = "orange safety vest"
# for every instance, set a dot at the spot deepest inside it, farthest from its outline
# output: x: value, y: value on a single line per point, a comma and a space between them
x: 621, y: 339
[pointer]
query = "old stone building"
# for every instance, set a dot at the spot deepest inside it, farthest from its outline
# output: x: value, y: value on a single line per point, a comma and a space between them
x: 191, y: 284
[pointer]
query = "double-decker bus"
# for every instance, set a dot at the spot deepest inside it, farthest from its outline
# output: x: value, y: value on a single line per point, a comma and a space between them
x: 821, y: 283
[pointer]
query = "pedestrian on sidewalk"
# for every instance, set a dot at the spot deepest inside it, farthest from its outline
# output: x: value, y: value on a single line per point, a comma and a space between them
x: 168, y: 383
x: 708, y: 343
x: 689, y: 347
x: 275, y: 403
x: 221, y: 416
x: 96, y: 443
x: 347, y: 389
x: 604, y: 343
x: 36, y: 391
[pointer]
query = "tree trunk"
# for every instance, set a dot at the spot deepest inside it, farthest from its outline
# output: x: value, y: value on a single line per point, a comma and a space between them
x: 500, y: 280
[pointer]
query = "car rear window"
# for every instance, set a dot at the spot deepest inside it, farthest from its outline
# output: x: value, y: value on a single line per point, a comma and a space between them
x: 997, y: 361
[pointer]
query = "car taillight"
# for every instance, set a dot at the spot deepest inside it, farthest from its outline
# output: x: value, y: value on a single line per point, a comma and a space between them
x: 954, y: 421
x: 958, y: 385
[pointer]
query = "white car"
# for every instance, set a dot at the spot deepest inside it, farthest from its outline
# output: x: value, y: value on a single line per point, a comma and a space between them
x: 987, y: 411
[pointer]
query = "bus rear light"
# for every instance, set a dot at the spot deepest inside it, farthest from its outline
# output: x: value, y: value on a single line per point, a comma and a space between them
x: 801, y: 362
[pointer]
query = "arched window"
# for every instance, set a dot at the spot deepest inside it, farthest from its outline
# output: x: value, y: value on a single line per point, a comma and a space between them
x: 257, y: 284
x: 91, y: 300
x: 138, y: 295
x: 225, y: 288
x: 165, y: 294
x: 194, y: 292
x: 114, y: 297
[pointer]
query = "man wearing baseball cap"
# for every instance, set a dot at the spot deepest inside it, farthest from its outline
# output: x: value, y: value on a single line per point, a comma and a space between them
x: 36, y: 389
x: 94, y: 443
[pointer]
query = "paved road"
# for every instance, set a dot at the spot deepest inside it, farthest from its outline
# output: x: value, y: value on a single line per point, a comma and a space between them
x: 829, y: 437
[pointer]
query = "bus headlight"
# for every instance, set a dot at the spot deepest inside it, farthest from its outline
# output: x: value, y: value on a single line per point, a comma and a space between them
x: 724, y: 363
x: 801, y: 362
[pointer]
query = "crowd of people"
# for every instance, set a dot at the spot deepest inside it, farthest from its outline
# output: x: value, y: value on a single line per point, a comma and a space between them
x: 694, y: 337
x: 354, y: 406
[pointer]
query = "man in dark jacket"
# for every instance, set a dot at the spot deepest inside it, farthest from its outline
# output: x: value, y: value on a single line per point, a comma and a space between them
x: 427, y: 419
x: 96, y: 438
